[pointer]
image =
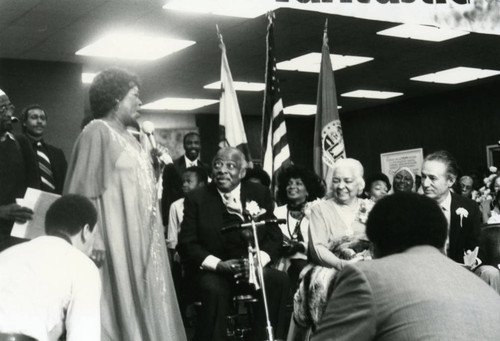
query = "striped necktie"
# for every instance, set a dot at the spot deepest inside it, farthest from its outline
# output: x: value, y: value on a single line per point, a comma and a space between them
x: 46, y: 175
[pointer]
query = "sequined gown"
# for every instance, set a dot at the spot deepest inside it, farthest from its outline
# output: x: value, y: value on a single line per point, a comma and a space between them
x: 111, y: 168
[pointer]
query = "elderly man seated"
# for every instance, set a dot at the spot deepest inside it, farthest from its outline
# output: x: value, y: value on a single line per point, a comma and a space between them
x: 49, y: 286
x: 212, y: 257
x: 411, y: 291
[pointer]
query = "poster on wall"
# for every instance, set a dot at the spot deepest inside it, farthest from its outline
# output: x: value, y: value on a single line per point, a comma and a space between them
x: 392, y: 161
x: 173, y: 139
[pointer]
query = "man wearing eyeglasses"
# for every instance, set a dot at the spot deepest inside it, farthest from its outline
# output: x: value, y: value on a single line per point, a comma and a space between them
x: 17, y: 172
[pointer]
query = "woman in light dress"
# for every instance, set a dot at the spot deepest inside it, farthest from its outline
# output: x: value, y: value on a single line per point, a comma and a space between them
x: 337, y: 225
x: 113, y: 169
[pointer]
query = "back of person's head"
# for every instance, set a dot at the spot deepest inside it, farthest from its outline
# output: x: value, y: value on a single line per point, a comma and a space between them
x: 200, y: 173
x: 69, y: 214
x: 400, y: 221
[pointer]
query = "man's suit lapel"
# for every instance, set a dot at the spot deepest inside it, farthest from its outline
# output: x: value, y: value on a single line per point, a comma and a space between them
x: 215, y: 208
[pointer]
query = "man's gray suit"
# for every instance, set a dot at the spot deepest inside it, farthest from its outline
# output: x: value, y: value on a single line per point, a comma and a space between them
x: 416, y: 295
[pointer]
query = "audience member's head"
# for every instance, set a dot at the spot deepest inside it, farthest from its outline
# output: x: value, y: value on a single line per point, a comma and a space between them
x: 257, y: 175
x: 347, y: 181
x: 192, y: 178
x: 403, y: 220
x: 6, y: 113
x: 439, y: 173
x: 34, y: 121
x: 495, y: 184
x: 404, y: 180
x: 377, y: 186
x: 74, y: 217
x: 192, y: 145
x: 299, y: 184
x: 108, y: 89
x: 228, y: 168
x: 466, y: 186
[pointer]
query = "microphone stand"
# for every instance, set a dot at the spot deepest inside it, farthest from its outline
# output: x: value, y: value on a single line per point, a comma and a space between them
x: 260, y: 272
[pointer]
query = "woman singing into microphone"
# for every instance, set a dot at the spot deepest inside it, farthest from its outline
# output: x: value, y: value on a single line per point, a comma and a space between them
x: 111, y: 168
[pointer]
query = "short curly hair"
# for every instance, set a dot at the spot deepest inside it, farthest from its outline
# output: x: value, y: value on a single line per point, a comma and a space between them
x: 108, y: 88
x: 370, y: 179
x: 314, y: 184
x: 400, y: 221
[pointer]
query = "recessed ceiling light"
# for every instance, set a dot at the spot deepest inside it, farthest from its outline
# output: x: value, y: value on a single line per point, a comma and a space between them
x: 456, y: 75
x: 311, y: 62
x: 372, y: 94
x: 172, y: 103
x: 232, y: 8
x: 239, y: 86
x: 302, y: 109
x: 88, y: 77
x: 133, y: 46
x: 422, y: 32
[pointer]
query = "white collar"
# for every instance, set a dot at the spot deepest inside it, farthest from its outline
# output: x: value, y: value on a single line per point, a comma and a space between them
x: 236, y: 192
x: 189, y: 162
x: 446, y: 204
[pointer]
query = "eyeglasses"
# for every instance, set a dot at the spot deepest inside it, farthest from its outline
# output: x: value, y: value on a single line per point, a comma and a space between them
x: 7, y: 107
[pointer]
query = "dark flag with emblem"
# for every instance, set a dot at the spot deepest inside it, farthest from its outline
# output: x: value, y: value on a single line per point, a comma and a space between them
x: 231, y: 129
x: 328, y: 138
x: 275, y: 152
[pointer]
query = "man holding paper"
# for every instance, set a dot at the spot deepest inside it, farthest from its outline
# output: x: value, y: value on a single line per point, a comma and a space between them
x: 17, y: 172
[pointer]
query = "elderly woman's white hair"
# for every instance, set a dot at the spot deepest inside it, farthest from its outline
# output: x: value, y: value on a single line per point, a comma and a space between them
x: 355, y: 167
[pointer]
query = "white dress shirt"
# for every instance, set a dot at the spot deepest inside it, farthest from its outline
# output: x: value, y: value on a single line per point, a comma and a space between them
x: 175, y: 218
x: 190, y: 163
x: 446, y: 208
x: 47, y: 286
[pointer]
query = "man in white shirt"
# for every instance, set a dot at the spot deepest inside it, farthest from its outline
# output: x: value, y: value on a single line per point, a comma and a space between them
x: 49, y: 286
x: 439, y: 173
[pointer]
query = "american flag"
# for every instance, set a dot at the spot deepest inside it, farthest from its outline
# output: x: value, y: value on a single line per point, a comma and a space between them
x: 276, y: 152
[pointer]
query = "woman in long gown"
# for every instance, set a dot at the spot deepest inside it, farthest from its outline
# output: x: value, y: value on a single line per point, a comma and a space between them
x: 110, y: 167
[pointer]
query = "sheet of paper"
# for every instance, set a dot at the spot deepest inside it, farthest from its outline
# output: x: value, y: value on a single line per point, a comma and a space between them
x: 39, y: 202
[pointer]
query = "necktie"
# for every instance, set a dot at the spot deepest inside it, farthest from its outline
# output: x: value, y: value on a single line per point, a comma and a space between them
x: 233, y: 205
x: 447, y: 242
x: 46, y: 175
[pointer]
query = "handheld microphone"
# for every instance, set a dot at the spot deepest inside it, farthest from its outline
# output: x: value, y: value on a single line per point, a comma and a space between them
x: 249, y: 225
x: 14, y: 119
x: 148, y: 128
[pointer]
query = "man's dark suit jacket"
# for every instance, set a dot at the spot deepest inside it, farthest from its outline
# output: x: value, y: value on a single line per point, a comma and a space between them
x: 205, y: 215
x: 172, y: 183
x: 18, y: 171
x: 58, y: 164
x: 465, y: 235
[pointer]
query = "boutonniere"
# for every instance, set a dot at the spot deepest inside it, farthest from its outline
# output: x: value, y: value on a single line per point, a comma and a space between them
x: 253, y: 210
x: 462, y: 212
